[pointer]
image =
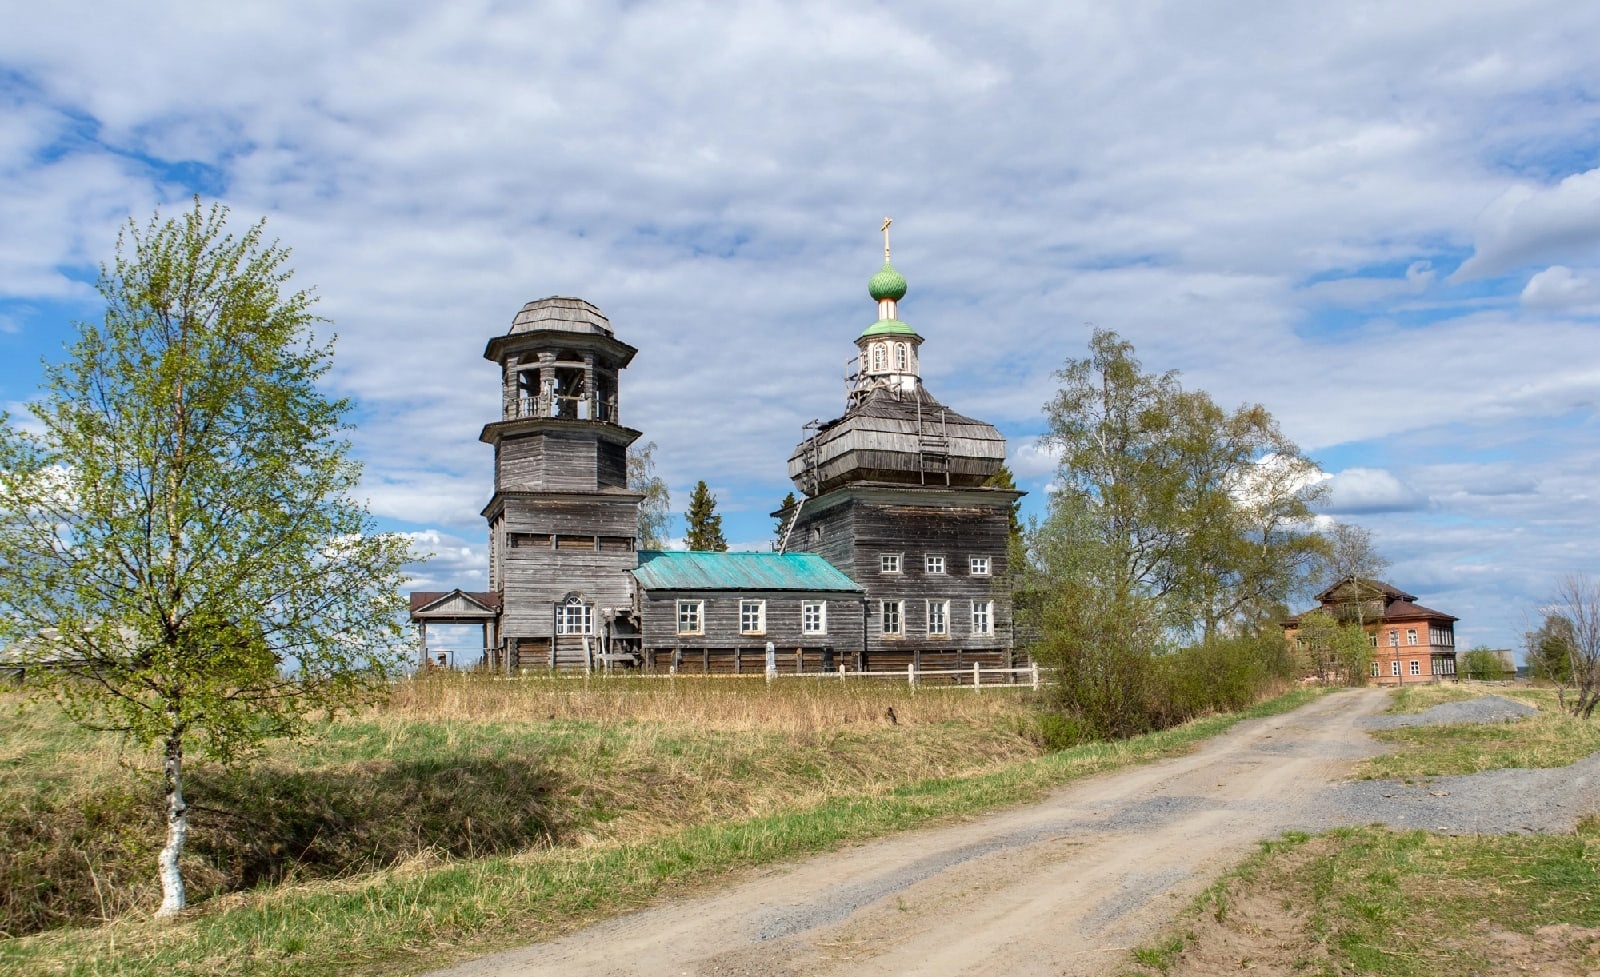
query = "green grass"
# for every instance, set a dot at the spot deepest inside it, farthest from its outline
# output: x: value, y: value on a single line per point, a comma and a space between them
x: 1399, y: 904
x: 1550, y: 739
x: 435, y: 908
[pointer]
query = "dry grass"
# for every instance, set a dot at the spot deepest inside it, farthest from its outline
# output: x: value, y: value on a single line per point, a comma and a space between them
x: 727, y: 703
x: 464, y: 767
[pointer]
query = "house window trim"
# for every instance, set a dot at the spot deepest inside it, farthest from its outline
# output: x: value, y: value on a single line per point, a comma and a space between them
x: 899, y: 617
x: 933, y: 563
x: 891, y: 562
x: 584, y: 613
x: 983, y: 620
x: 1411, y: 637
x: 980, y: 566
x: 760, y: 616
x: 821, y: 607
x: 695, y: 611
x: 943, y: 618
x: 1416, y: 666
x: 1394, y: 668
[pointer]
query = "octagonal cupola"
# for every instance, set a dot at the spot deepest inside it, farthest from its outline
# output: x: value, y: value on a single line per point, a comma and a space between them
x: 888, y: 347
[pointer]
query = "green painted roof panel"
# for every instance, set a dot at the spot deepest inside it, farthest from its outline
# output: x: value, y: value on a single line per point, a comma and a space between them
x: 679, y: 570
x: 885, y: 327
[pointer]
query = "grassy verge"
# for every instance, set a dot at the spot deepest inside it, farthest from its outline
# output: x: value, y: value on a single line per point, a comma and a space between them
x: 1400, y: 904
x: 1549, y: 739
x: 1412, y: 904
x: 437, y: 907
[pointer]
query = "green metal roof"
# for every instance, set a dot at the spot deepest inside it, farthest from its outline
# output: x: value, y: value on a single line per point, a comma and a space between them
x: 678, y: 570
x: 888, y: 327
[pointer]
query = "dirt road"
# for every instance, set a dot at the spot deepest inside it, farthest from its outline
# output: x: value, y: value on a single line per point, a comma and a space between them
x: 1064, y: 887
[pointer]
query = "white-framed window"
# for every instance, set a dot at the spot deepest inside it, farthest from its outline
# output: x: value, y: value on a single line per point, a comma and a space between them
x: 1394, y: 638
x: 901, y: 363
x: 691, y: 616
x: 752, y: 617
x: 889, y: 563
x: 890, y: 617
x: 983, y: 617
x: 979, y: 566
x: 575, y: 617
x: 1411, y: 636
x: 933, y: 564
x: 1416, y: 667
x: 814, y: 617
x: 1394, y: 668
x: 1374, y: 669
x: 938, y: 617
x: 877, y: 357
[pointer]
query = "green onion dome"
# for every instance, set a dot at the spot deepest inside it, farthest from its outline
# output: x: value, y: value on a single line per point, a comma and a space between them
x: 887, y: 284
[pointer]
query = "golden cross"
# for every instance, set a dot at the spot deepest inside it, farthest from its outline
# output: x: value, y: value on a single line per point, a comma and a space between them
x: 885, y: 229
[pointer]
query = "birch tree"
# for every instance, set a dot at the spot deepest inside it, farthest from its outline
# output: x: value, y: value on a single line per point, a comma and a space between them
x: 655, y: 511
x: 179, y: 552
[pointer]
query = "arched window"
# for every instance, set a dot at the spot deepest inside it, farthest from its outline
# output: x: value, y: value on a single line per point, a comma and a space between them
x: 877, y: 357
x: 900, y: 362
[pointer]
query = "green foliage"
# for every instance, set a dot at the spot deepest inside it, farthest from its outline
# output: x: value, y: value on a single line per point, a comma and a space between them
x: 1334, y: 650
x: 1550, y: 650
x: 178, y: 543
x: 1483, y: 664
x: 1202, y: 516
x: 705, y: 525
x: 1174, y: 523
x: 655, y: 511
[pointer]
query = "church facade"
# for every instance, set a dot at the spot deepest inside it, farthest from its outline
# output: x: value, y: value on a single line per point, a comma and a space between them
x: 895, y: 554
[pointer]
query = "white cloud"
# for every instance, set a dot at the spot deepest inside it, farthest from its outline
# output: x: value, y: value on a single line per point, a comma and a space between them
x: 1369, y: 490
x: 1029, y: 458
x: 1529, y: 223
x: 1559, y: 288
x: 1177, y: 178
x: 1359, y: 291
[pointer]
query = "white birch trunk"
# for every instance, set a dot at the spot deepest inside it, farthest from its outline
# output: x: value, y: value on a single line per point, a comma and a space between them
x: 172, y: 895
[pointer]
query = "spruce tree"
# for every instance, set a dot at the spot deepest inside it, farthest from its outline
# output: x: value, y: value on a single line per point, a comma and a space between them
x: 705, y: 526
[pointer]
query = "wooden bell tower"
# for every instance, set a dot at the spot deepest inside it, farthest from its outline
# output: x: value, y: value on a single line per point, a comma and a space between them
x: 562, y: 522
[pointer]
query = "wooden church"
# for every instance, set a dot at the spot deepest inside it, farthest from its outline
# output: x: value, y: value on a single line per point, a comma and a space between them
x: 895, y: 554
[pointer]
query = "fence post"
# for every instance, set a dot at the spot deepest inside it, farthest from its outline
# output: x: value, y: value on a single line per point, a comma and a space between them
x: 977, y: 676
x: 841, y: 671
x: 911, y: 675
x: 1035, y: 669
x: 772, y: 662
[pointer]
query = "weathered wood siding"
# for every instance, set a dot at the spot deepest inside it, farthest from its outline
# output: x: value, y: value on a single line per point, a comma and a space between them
x: 720, y: 626
x: 554, y: 547
x: 854, y: 530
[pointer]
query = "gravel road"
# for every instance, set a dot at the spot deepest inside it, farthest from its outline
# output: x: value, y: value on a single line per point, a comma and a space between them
x: 1066, y: 886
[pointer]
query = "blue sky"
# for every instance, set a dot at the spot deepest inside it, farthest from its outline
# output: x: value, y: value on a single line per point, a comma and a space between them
x: 1381, y: 221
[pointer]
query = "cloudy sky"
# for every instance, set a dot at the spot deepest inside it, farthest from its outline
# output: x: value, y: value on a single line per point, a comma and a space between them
x: 1381, y: 221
